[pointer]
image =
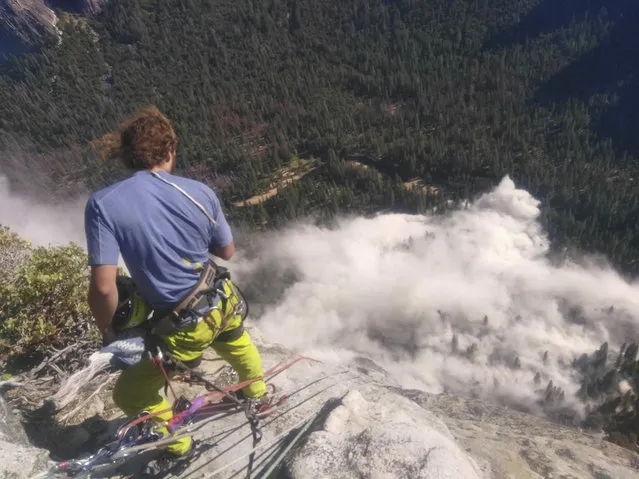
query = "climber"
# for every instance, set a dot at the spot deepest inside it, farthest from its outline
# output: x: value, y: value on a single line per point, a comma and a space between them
x: 165, y: 227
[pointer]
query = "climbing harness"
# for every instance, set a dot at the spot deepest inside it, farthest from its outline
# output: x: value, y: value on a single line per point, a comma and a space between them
x: 213, y: 291
x: 210, y: 290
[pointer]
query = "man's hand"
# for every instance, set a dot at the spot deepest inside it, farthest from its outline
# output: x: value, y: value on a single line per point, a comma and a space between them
x: 103, y: 298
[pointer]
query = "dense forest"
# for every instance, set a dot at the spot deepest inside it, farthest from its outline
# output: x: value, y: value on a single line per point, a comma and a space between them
x: 351, y: 106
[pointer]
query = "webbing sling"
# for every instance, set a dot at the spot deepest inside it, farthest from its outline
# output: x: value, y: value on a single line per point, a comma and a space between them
x: 226, y: 336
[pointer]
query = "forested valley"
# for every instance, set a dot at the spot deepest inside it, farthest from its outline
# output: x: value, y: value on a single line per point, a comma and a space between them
x: 352, y: 106
x: 296, y: 109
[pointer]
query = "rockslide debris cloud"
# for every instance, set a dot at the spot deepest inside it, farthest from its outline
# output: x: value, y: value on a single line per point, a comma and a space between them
x: 464, y: 302
x: 397, y: 288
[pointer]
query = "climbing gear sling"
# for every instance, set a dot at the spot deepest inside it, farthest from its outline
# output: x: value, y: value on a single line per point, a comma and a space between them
x: 204, y: 297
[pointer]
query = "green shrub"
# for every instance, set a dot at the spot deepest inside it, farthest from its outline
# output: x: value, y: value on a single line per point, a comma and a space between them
x: 13, y: 252
x: 43, y: 298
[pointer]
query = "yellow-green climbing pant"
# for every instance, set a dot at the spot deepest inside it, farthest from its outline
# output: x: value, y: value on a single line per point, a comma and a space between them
x: 138, y: 388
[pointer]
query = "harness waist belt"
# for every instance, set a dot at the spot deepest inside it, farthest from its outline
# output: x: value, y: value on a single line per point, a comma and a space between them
x: 169, y: 320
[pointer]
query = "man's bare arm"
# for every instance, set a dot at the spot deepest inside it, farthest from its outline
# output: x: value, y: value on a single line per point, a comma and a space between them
x: 225, y: 252
x: 103, y: 298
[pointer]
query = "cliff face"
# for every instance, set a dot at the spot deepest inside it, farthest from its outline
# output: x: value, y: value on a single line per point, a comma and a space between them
x: 24, y: 24
x: 91, y: 6
x: 85, y: 7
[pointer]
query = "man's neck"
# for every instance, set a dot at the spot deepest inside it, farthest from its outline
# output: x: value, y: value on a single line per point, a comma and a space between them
x: 163, y: 167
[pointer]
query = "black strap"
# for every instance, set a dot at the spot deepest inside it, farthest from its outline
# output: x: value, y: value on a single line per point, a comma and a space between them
x: 230, y: 335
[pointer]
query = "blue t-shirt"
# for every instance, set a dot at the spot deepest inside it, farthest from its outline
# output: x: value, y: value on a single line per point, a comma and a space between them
x: 163, y: 237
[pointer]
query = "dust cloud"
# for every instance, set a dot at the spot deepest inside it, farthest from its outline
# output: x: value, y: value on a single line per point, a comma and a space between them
x: 469, y: 302
x: 44, y: 224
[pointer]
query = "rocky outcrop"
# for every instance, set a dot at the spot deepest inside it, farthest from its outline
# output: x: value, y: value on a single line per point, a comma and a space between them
x: 17, y: 457
x: 513, y: 444
x: 25, y: 24
x: 384, y: 436
x: 91, y: 6
x: 360, y: 424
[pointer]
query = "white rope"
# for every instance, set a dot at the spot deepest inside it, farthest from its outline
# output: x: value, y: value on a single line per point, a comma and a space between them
x: 69, y: 390
x: 157, y: 175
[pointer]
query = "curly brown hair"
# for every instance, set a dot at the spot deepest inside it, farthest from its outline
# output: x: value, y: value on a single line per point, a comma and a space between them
x: 143, y: 140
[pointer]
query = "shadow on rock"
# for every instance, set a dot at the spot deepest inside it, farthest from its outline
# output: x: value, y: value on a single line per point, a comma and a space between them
x: 612, y: 67
x: 67, y: 442
x: 551, y: 15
